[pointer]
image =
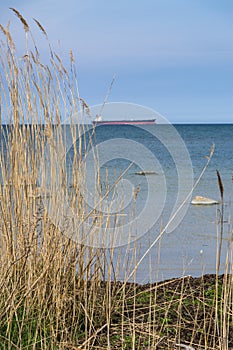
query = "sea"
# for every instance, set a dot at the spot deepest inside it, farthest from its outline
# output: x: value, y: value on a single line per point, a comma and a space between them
x: 164, y: 167
x: 149, y: 176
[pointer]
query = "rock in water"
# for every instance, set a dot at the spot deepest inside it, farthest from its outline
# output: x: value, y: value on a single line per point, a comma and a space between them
x: 146, y: 173
x: 199, y: 200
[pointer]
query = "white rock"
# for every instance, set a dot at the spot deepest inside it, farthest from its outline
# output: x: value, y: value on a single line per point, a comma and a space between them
x: 199, y: 200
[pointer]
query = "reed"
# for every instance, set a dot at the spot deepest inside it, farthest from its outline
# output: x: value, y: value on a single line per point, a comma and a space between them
x: 57, y: 292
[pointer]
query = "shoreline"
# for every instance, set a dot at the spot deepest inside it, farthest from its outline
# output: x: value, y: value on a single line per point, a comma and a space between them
x: 180, y: 310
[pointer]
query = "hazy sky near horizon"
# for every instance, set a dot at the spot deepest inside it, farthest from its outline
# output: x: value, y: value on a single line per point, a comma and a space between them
x: 174, y: 56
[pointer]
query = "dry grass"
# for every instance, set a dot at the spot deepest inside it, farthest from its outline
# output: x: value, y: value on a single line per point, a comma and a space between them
x: 57, y: 293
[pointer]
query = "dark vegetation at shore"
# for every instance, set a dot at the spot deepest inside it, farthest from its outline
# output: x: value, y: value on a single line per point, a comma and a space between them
x: 187, y: 311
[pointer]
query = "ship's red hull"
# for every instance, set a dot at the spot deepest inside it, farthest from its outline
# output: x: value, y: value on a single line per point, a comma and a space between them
x: 125, y: 122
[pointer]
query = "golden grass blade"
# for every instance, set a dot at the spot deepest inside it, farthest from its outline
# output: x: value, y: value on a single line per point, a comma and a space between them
x: 8, y: 36
x: 21, y: 18
x: 85, y: 106
x: 40, y: 26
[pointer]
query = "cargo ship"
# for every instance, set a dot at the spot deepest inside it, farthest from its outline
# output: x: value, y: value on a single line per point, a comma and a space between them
x: 99, y: 121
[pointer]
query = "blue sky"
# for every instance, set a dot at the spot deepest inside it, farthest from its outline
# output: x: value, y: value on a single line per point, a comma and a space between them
x: 174, y: 56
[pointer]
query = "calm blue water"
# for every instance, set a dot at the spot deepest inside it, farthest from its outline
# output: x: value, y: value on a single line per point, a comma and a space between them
x: 191, y: 247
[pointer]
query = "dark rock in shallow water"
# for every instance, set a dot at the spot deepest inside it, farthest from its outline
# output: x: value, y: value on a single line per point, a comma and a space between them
x: 146, y: 173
